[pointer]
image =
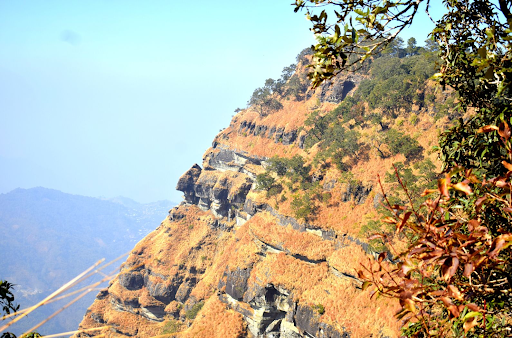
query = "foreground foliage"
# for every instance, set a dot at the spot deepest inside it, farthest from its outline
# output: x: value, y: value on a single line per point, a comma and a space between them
x: 455, y: 274
x: 8, y: 307
x: 454, y: 277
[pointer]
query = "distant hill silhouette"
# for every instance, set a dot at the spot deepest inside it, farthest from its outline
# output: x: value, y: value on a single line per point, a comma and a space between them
x: 47, y: 237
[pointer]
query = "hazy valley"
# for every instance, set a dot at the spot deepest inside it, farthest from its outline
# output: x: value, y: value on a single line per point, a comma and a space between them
x: 47, y: 237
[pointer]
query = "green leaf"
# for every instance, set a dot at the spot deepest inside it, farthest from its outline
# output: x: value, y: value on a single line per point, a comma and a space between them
x: 471, y: 315
x: 366, y: 285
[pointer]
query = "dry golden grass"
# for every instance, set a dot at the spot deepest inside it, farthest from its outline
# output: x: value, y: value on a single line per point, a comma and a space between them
x: 290, y: 118
x: 129, y: 323
x: 175, y: 248
x: 264, y: 227
x: 348, y: 259
x: 292, y: 274
x: 348, y: 307
x: 216, y: 320
x: 233, y: 250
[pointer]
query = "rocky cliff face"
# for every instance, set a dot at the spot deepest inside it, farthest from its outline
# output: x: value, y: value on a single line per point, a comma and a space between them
x: 231, y: 261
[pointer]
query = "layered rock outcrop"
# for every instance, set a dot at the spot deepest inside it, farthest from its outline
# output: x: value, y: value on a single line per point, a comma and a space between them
x: 222, y: 192
x: 275, y: 275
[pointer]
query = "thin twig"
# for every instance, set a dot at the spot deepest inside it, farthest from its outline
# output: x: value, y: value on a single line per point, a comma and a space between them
x: 75, y: 332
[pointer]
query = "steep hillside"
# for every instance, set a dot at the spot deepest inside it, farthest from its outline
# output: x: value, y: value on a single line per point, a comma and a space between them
x: 273, y: 226
x: 47, y: 237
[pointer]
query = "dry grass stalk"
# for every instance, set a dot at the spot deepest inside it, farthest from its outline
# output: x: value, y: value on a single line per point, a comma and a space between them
x: 55, y: 296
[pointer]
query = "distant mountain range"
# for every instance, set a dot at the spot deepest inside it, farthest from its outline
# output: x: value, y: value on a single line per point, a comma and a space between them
x: 47, y: 237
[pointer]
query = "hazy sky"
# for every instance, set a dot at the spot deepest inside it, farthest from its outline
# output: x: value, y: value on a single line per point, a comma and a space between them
x: 108, y: 98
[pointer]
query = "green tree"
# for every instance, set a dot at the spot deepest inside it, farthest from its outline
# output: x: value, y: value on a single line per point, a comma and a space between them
x: 264, y: 181
x: 411, y: 49
x: 268, y: 183
x: 399, y: 143
x: 264, y: 99
x: 431, y: 45
x: 302, y: 206
x: 302, y: 56
x: 278, y: 165
x: 395, y: 48
x: 287, y: 73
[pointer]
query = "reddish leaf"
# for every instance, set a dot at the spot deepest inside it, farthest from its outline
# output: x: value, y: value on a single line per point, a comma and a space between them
x: 470, y: 323
x: 418, y: 250
x: 473, y: 307
x: 464, y: 187
x: 454, y: 292
x: 478, y: 260
x: 449, y: 268
x: 501, y: 242
x: 404, y: 220
x: 478, y: 203
x: 501, y: 182
x: 468, y: 269
x: 406, y: 267
x: 436, y: 253
x: 442, y: 185
x: 507, y: 165
x: 504, y: 130
x: 461, y: 237
x: 472, y: 178
x: 473, y: 224
x: 382, y: 256
x: 428, y: 192
x: 437, y: 293
x: 446, y: 301
x: 487, y: 129
x: 450, y: 306
x: 454, y: 310
x: 375, y: 236
x: 480, y: 232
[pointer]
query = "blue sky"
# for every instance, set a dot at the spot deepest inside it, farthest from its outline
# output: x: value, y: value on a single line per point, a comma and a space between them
x: 108, y: 98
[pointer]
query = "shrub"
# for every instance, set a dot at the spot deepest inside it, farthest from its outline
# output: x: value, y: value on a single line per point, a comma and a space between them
x: 192, y: 313
x: 398, y: 142
x: 413, y: 119
x: 319, y: 308
x: 171, y: 326
x: 326, y: 197
x: 264, y: 181
x: 277, y: 165
x: 302, y: 206
x: 274, y: 190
